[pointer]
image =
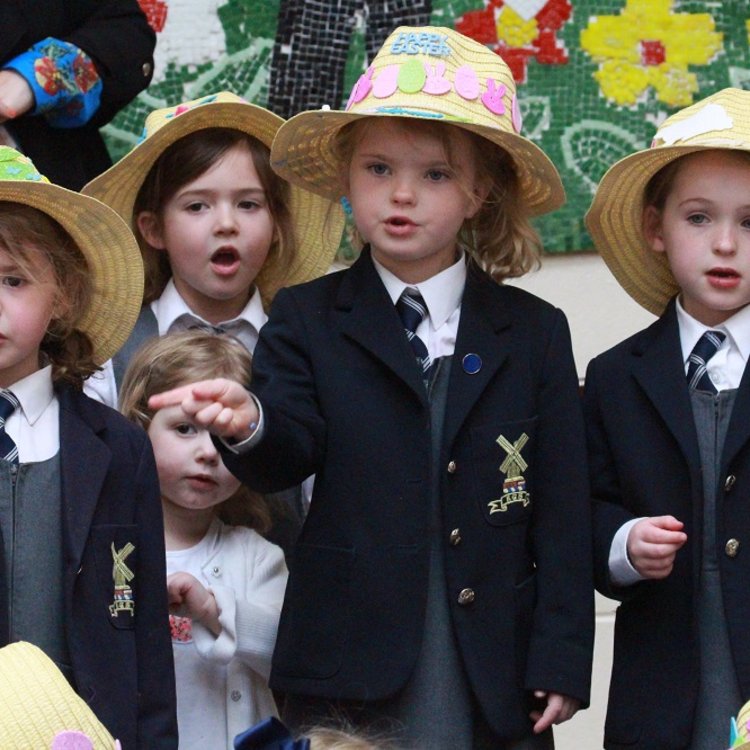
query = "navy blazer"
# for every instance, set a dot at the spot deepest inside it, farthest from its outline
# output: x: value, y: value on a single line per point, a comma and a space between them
x: 645, y: 461
x: 121, y: 659
x: 343, y: 399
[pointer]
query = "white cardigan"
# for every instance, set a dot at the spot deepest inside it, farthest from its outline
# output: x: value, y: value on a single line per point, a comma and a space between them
x: 248, y: 578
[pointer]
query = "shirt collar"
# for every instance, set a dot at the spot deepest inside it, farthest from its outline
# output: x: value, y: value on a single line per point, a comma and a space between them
x: 34, y: 393
x: 442, y: 293
x: 171, y: 306
x: 737, y: 328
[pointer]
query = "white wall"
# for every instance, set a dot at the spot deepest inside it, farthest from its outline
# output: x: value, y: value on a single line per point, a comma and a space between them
x: 600, y: 315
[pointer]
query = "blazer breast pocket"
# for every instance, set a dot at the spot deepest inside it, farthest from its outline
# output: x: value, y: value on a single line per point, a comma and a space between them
x: 502, y: 457
x: 115, y: 551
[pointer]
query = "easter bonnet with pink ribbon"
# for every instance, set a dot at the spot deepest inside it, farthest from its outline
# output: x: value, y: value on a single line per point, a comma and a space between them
x: 429, y: 73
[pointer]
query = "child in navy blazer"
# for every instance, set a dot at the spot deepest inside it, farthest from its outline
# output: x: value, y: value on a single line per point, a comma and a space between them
x: 81, y: 536
x: 668, y: 415
x: 441, y: 587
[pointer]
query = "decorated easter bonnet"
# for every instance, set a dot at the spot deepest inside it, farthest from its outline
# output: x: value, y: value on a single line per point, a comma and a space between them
x: 739, y: 729
x: 104, y: 239
x: 318, y: 223
x: 39, y: 709
x: 427, y: 73
x: 615, y: 217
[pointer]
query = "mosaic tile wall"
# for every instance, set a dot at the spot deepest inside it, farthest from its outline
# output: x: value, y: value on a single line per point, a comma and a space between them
x: 594, y: 77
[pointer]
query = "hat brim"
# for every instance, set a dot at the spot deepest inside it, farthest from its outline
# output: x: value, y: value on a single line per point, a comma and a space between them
x: 111, y: 252
x: 615, y: 221
x: 318, y: 224
x: 303, y: 154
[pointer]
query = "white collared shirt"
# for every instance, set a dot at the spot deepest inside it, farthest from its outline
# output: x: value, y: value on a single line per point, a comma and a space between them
x: 173, y: 314
x: 442, y: 295
x: 725, y: 369
x: 35, y: 424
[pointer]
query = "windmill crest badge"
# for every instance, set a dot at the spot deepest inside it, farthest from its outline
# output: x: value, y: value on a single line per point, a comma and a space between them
x: 514, y: 486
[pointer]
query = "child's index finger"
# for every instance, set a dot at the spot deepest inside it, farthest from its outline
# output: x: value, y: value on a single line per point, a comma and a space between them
x: 170, y: 398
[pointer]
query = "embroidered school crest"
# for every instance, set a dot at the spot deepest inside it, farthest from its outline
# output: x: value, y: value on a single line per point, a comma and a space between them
x: 514, y: 486
x: 122, y: 576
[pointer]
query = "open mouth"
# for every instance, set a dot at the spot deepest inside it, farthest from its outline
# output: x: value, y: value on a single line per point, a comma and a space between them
x: 225, y: 257
x: 723, y: 273
x: 399, y: 221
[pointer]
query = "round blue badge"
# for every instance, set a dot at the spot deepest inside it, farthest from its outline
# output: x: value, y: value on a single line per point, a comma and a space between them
x: 472, y: 364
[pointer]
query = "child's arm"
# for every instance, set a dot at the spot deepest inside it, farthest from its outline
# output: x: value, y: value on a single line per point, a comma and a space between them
x: 188, y: 597
x: 248, y: 613
x: 558, y: 709
x: 222, y: 406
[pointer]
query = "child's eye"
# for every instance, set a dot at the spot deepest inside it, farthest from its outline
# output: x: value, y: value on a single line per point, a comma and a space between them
x: 195, y: 207
x: 13, y: 281
x: 378, y: 169
x: 185, y: 428
x: 697, y: 218
x: 436, y: 175
x: 249, y: 205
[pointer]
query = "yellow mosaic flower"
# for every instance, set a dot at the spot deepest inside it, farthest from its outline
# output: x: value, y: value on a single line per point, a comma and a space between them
x: 513, y: 29
x: 648, y: 44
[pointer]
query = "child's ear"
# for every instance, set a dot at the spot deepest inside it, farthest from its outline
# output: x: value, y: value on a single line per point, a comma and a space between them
x: 150, y: 228
x: 652, y: 229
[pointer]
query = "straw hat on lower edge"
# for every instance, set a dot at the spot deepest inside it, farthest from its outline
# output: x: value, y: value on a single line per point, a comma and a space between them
x: 615, y: 217
x: 40, y: 710
x: 430, y: 73
x: 318, y: 223
x: 105, y: 240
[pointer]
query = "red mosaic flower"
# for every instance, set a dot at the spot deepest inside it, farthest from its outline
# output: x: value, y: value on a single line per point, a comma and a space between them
x: 156, y: 13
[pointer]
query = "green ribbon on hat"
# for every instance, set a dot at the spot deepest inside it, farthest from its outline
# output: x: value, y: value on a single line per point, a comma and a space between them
x: 16, y: 166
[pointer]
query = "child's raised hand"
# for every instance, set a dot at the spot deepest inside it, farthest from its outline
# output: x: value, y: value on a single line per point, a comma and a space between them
x: 653, y: 544
x: 559, y: 708
x: 224, y: 407
x: 188, y: 597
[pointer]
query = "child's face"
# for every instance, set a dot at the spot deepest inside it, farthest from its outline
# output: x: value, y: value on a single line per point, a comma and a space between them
x: 408, y: 202
x: 217, y: 231
x: 28, y: 302
x: 192, y: 475
x: 704, y: 228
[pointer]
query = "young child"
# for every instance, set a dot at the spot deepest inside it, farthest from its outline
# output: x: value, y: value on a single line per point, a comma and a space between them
x: 81, y: 535
x: 441, y: 585
x: 220, y: 233
x: 226, y: 583
x: 668, y: 420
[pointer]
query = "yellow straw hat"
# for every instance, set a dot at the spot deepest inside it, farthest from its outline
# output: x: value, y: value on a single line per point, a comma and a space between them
x: 318, y: 223
x: 39, y: 710
x: 615, y: 217
x: 427, y: 73
x: 105, y: 240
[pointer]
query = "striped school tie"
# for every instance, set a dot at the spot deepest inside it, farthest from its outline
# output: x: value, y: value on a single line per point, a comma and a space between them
x: 412, y: 309
x: 8, y: 404
x: 697, y: 375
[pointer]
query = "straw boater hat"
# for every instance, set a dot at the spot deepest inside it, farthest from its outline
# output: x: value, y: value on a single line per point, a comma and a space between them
x: 104, y: 240
x: 40, y: 710
x: 427, y: 73
x: 615, y: 217
x: 318, y: 223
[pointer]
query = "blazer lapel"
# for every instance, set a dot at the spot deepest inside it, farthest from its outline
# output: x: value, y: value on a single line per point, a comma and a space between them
x: 654, y: 360
x: 738, y: 432
x: 481, y: 348
x: 84, y: 462
x: 369, y: 318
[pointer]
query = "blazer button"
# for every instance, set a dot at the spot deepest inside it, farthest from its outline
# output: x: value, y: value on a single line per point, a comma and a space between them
x: 466, y: 596
x: 216, y: 571
x: 146, y: 69
x: 451, y: 467
x: 236, y: 695
x: 732, y: 547
x: 455, y: 537
x: 729, y: 482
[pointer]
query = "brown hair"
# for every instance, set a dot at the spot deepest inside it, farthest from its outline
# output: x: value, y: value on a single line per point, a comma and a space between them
x: 28, y: 234
x: 186, y: 160
x: 177, y: 359
x: 499, y: 236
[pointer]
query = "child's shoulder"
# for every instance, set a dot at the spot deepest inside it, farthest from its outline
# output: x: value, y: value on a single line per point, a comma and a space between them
x: 250, y: 540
